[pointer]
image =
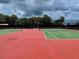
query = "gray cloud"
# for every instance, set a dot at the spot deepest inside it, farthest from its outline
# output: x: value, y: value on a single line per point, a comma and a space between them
x: 37, y: 7
x: 54, y: 8
x: 34, y: 7
x: 4, y: 1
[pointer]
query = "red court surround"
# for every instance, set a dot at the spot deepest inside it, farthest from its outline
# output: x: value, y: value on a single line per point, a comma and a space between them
x: 31, y: 44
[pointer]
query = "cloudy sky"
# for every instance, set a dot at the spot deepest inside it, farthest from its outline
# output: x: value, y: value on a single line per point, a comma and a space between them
x: 54, y: 8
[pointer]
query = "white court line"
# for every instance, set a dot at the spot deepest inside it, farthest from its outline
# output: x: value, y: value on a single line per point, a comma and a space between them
x: 53, y: 35
x: 43, y: 34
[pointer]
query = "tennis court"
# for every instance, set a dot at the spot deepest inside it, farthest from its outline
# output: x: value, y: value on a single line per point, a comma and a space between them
x: 61, y: 33
x: 7, y: 31
x: 31, y: 44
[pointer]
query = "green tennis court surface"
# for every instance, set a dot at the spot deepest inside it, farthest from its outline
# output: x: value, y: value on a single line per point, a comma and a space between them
x: 7, y: 31
x: 61, y: 33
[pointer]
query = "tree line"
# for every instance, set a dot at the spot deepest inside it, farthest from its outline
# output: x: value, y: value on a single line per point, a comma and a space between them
x: 31, y: 22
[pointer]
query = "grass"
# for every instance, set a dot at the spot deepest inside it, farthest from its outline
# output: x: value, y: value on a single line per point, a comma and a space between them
x: 7, y: 31
x: 61, y: 33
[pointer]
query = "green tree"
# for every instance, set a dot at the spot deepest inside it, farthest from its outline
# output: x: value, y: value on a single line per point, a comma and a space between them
x: 46, y: 20
x: 2, y: 18
x: 11, y: 20
x: 60, y: 21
